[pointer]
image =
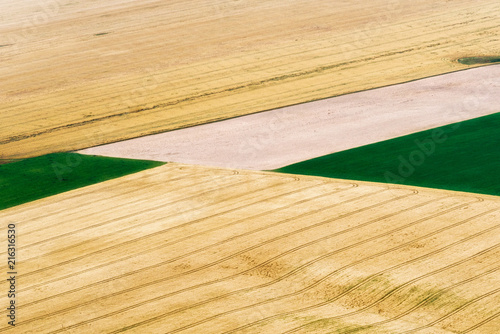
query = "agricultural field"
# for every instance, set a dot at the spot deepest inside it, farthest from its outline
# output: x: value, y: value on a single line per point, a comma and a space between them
x: 81, y: 73
x: 277, y: 138
x: 305, y: 166
x: 185, y: 249
x: 463, y: 156
x: 30, y: 179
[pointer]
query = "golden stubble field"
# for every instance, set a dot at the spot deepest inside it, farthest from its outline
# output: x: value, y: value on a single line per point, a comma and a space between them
x: 280, y: 137
x: 77, y: 74
x: 186, y: 249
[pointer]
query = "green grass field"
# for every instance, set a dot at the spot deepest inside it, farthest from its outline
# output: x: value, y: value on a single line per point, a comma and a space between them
x: 31, y: 179
x: 462, y: 156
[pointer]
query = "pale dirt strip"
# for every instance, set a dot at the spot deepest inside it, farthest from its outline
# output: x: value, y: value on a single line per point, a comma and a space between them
x: 190, y: 249
x: 77, y: 74
x: 292, y: 134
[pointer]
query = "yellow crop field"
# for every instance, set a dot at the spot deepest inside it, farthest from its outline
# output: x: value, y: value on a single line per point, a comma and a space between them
x: 186, y: 249
x: 83, y: 73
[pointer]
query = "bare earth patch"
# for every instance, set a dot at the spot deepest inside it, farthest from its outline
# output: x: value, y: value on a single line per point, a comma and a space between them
x: 284, y: 136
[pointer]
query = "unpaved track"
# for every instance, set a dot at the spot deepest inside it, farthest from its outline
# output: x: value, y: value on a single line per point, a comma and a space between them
x: 189, y: 249
x: 285, y: 136
x: 83, y: 73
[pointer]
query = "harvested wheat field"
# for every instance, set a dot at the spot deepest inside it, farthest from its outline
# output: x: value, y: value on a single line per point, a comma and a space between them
x: 186, y: 249
x: 280, y: 137
x: 82, y: 73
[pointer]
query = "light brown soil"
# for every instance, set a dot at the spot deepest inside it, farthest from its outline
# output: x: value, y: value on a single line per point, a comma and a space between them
x: 284, y: 136
x: 76, y: 74
x: 185, y: 249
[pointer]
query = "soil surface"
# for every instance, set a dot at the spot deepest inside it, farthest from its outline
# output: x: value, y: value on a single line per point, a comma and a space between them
x: 288, y: 135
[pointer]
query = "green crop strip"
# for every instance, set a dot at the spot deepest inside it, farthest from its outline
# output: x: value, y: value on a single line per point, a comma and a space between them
x: 31, y: 179
x: 479, y: 60
x: 462, y: 156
